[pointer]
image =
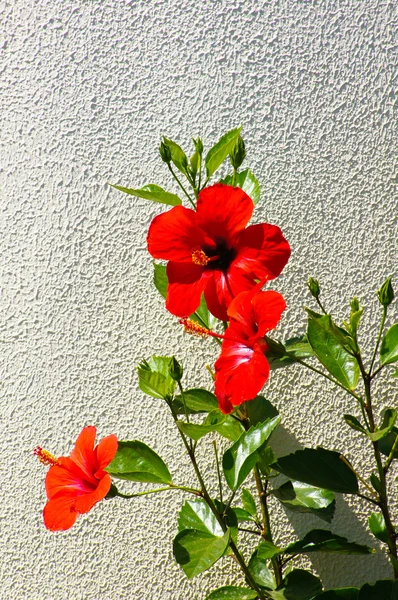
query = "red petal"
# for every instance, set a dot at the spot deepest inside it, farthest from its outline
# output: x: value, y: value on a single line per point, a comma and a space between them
x: 252, y: 314
x: 59, y: 514
x: 218, y: 294
x: 268, y: 307
x: 262, y: 251
x: 186, y: 284
x: 86, y: 502
x: 223, y: 211
x: 83, y: 453
x: 68, y: 478
x: 105, y: 451
x: 174, y: 234
x: 240, y: 374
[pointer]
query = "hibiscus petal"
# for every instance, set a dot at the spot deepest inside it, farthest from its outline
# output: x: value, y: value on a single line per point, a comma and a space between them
x: 187, y: 281
x: 83, y: 452
x: 223, y: 211
x: 268, y: 307
x: 105, y: 451
x: 174, y: 234
x: 59, y: 514
x: 86, y: 502
x: 218, y: 294
x: 240, y: 374
x: 262, y: 251
x: 68, y: 478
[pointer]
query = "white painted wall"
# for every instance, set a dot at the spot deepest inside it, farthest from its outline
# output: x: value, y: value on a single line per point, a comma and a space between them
x: 87, y: 88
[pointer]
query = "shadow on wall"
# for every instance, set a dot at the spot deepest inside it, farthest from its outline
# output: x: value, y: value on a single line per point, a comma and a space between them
x: 336, y: 570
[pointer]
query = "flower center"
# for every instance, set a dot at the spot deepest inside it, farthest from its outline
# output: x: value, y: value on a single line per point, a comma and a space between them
x: 45, y: 457
x: 199, y: 257
x: 218, y: 258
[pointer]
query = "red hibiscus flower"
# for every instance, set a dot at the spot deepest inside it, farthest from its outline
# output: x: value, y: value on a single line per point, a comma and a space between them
x: 74, y: 484
x: 242, y: 368
x: 211, y: 250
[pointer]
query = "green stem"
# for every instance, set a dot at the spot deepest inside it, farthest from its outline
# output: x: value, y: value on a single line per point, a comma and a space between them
x: 181, y: 186
x: 218, y: 470
x: 319, y: 303
x: 234, y: 178
x: 163, y: 489
x: 391, y: 455
x: 383, y: 320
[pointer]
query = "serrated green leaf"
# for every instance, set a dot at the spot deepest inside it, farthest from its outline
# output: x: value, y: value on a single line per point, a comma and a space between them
x: 135, y: 461
x: 389, y: 346
x: 303, y: 498
x: 218, y: 153
x: 230, y: 592
x: 151, y: 192
x: 266, y: 550
x: 154, y: 378
x: 260, y: 572
x: 319, y: 467
x: 297, y: 585
x: 195, y: 431
x: 249, y: 504
x: 247, y: 182
x: 377, y: 526
x: 243, y: 455
x: 389, y: 418
x: 339, y: 594
x: 196, y: 551
x: 297, y: 347
x: 321, y: 540
x: 197, y: 400
x: 231, y: 429
x: 178, y: 156
x: 242, y: 515
x: 381, y: 590
x: 196, y: 514
x: 327, y: 342
x: 354, y: 423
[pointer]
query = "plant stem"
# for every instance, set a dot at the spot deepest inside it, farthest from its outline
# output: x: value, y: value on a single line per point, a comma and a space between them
x: 383, y: 320
x: 391, y: 455
x: 218, y: 469
x: 181, y: 186
x: 319, y: 303
x: 157, y: 490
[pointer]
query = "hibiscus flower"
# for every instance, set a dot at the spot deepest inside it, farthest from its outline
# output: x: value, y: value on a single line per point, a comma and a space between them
x: 75, y: 483
x: 242, y: 368
x: 211, y: 250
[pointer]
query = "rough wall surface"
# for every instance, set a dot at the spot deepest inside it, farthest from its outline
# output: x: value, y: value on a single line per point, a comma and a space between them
x: 87, y: 88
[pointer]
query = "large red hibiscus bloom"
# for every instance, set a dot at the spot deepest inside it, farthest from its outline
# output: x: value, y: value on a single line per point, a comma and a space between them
x: 211, y: 250
x: 74, y: 484
x: 242, y: 368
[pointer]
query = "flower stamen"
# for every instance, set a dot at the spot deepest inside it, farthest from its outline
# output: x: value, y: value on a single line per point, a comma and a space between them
x: 199, y: 257
x: 193, y: 328
x: 45, y: 457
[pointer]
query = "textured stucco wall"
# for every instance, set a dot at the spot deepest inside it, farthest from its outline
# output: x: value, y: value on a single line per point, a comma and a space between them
x: 87, y: 88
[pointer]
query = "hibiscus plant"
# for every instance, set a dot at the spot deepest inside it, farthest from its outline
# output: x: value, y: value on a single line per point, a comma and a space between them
x: 217, y: 267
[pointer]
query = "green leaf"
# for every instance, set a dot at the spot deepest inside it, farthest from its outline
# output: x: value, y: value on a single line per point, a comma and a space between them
x: 196, y: 551
x: 375, y: 481
x: 386, y: 443
x: 355, y: 424
x: 297, y: 347
x: 178, y: 156
x: 377, y: 526
x: 259, y: 410
x: 154, y: 378
x: 196, y: 514
x: 303, y: 498
x: 203, y: 316
x: 339, y: 594
x: 395, y: 374
x: 268, y: 550
x: 216, y: 155
x: 327, y: 342
x: 249, y: 504
x: 230, y: 592
x: 195, y: 432
x: 230, y: 428
x: 242, y: 515
x: 260, y: 572
x: 381, y: 590
x: 389, y: 346
x: 321, y: 540
x: 319, y: 467
x: 389, y: 418
x: 267, y: 458
x: 297, y: 585
x: 135, y: 461
x: 160, y: 279
x: 247, y: 182
x: 243, y: 455
x: 197, y: 400
x: 151, y: 192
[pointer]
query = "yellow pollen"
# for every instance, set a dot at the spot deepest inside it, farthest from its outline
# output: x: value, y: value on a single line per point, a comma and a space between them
x: 199, y: 257
x: 194, y: 328
x: 45, y: 457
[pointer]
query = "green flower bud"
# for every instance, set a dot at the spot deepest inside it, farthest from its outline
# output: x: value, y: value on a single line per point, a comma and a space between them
x: 198, y: 145
x: 313, y: 285
x: 238, y: 154
x: 354, y: 305
x: 386, y: 293
x: 165, y: 152
x: 175, y: 369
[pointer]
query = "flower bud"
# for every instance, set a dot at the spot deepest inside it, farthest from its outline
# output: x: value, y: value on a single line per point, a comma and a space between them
x: 198, y: 146
x: 175, y: 369
x: 313, y: 285
x: 354, y: 305
x: 238, y: 154
x: 386, y: 293
x: 165, y: 152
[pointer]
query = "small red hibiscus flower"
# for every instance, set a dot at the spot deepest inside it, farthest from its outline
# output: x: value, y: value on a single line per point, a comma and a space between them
x: 75, y: 483
x: 242, y: 368
x: 211, y: 250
